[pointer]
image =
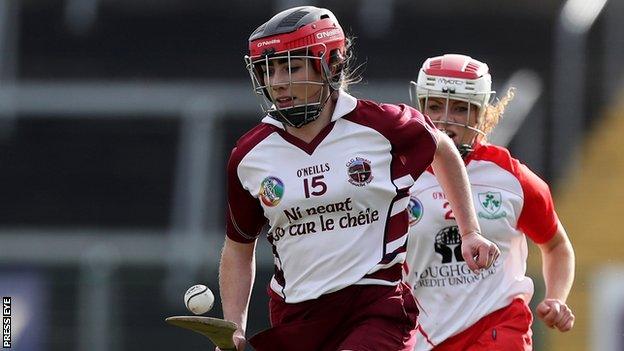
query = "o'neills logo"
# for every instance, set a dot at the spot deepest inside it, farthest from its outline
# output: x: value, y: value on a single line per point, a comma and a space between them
x: 327, y: 34
x: 268, y: 42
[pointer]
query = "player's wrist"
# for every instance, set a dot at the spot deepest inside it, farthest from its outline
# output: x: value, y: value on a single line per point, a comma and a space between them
x: 470, y: 233
x: 559, y: 300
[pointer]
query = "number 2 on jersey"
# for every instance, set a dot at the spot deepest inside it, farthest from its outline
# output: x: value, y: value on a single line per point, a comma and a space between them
x: 315, y: 183
x: 449, y: 213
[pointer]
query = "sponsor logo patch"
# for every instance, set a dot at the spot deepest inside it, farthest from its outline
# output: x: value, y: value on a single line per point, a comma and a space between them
x: 448, y: 244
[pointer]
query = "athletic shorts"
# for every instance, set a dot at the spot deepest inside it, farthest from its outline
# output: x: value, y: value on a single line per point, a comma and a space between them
x: 507, y: 329
x: 358, y: 318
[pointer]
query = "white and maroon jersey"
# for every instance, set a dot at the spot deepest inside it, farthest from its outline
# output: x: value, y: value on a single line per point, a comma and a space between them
x: 335, y: 207
x: 511, y: 202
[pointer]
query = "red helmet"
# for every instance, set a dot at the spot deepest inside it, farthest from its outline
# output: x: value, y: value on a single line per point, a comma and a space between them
x: 304, y: 32
x: 454, y: 77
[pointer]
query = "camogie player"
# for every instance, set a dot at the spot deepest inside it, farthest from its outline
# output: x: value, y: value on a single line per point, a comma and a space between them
x: 486, y: 311
x: 329, y: 175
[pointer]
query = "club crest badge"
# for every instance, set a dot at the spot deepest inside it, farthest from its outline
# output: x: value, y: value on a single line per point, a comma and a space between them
x: 492, y: 203
x: 415, y: 209
x: 271, y: 191
x: 359, y: 171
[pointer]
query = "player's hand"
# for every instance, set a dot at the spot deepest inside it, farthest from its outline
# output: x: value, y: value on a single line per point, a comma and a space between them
x: 556, y: 314
x: 478, y: 252
x: 239, y: 340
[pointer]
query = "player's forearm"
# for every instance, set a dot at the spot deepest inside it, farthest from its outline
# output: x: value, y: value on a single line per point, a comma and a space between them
x: 236, y: 276
x: 451, y: 174
x: 558, y: 266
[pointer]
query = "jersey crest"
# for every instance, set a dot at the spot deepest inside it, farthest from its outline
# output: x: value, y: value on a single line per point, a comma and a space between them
x: 415, y: 208
x: 271, y: 191
x: 359, y: 170
x: 491, y: 203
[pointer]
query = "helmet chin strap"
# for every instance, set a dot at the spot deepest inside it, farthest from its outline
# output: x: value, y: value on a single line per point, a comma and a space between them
x: 464, y: 149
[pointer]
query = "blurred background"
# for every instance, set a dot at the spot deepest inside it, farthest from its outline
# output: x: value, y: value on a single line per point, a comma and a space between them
x: 117, y: 118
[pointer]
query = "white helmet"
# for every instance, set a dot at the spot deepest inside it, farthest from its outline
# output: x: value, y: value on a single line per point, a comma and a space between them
x: 454, y: 77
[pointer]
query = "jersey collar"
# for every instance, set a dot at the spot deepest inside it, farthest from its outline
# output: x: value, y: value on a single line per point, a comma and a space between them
x: 345, y: 104
x: 478, y: 149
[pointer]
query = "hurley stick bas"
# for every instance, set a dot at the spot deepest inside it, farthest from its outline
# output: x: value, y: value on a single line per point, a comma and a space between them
x: 219, y: 331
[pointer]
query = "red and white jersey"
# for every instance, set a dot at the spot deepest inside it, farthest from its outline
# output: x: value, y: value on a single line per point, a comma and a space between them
x: 335, y: 207
x: 510, y: 201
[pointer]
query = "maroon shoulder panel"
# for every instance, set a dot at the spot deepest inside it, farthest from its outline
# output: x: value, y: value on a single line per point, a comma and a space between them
x: 245, y: 217
x: 411, y: 134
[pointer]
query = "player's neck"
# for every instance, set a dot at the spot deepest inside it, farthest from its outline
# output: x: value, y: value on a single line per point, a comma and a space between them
x: 308, y: 132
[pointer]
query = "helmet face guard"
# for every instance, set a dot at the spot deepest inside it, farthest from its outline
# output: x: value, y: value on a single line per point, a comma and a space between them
x: 309, y: 109
x: 308, y: 33
x: 455, y: 77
